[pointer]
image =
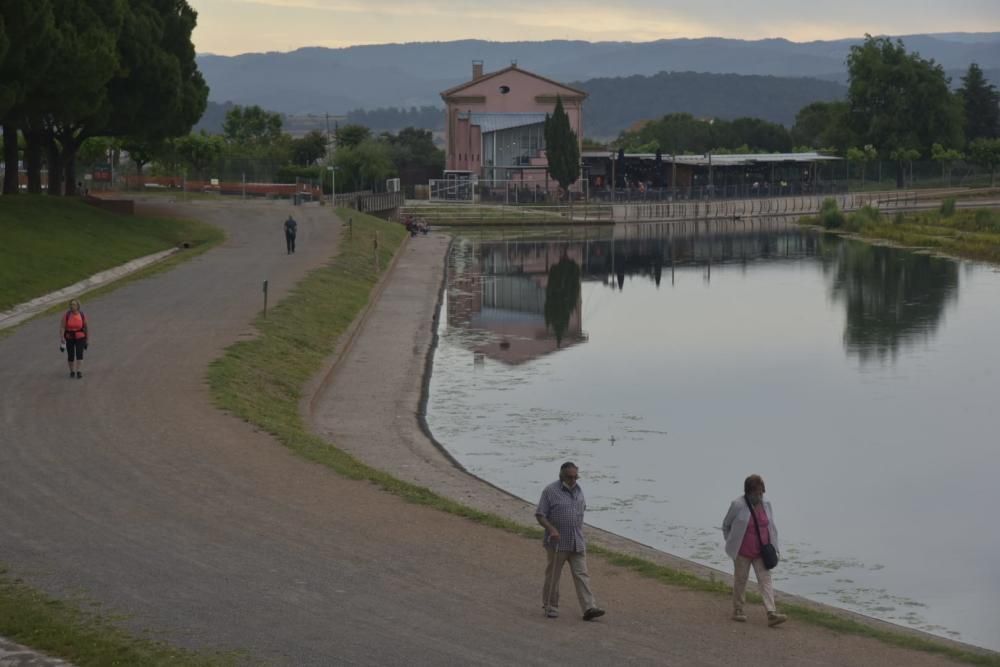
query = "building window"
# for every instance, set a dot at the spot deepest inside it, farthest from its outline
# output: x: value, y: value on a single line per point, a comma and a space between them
x: 504, y: 90
x: 515, y: 147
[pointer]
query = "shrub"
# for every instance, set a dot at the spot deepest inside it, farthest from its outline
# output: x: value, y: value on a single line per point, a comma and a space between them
x: 899, y: 218
x: 948, y: 207
x: 863, y: 217
x: 984, y: 218
x: 867, y: 215
x: 830, y: 216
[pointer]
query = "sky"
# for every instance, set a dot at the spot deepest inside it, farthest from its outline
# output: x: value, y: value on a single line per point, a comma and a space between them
x: 230, y: 27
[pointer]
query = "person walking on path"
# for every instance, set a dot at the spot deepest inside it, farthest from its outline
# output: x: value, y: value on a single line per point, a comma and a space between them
x: 74, y: 336
x: 746, y: 535
x: 291, y: 227
x: 560, y: 512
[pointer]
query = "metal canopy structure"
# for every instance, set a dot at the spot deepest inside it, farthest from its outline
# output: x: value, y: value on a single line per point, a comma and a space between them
x: 494, y: 122
x: 718, y: 160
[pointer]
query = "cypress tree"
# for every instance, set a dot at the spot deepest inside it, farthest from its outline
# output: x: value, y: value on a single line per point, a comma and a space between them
x: 562, y: 147
x: 980, y: 99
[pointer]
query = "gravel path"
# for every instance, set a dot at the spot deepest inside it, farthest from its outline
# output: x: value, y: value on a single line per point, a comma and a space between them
x: 128, y: 488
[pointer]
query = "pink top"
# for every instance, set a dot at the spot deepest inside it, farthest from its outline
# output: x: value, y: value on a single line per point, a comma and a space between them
x: 751, y: 545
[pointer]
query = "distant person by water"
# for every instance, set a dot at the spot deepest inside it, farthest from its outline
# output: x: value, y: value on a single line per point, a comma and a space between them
x: 750, y: 531
x: 560, y: 512
x: 291, y: 228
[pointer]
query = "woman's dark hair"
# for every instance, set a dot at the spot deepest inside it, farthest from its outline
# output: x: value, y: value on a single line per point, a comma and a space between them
x: 753, y: 482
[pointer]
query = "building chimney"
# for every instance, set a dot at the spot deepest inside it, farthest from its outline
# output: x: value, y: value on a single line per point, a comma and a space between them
x: 477, y: 70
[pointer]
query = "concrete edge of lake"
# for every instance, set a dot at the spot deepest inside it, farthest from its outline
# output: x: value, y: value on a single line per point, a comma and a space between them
x: 370, y: 400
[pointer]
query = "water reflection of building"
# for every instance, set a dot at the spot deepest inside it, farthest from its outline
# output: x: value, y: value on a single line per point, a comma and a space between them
x: 501, y: 292
x: 498, y: 287
x: 651, y: 249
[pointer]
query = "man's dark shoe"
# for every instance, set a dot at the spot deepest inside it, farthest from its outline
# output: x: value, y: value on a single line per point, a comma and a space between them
x: 592, y: 613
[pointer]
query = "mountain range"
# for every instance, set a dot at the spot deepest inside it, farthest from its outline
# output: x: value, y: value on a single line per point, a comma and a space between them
x: 318, y: 80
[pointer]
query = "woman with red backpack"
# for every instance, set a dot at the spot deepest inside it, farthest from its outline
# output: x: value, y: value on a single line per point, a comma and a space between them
x: 73, y: 337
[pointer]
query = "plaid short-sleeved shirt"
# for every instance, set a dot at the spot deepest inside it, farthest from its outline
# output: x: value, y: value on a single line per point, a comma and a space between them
x: 564, y: 508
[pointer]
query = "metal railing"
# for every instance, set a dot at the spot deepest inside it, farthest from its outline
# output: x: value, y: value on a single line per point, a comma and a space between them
x: 667, y: 211
x: 763, y: 207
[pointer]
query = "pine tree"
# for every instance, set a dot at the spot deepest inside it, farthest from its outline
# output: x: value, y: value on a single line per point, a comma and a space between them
x: 981, y: 100
x: 562, y: 147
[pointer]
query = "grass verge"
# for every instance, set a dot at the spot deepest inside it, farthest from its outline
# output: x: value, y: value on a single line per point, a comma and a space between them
x: 47, y: 243
x: 63, y: 629
x: 261, y: 381
x: 968, y: 233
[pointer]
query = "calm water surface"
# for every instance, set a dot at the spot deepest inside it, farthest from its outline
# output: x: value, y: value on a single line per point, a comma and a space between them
x: 671, y: 361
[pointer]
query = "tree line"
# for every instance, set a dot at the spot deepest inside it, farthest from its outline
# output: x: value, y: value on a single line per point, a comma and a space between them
x: 682, y: 133
x: 72, y: 70
x: 899, y: 107
x: 365, y: 160
x: 723, y: 96
x: 253, y: 144
x: 393, y: 118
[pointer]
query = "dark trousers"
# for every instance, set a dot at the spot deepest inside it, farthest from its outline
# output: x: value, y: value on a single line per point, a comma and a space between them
x: 290, y: 242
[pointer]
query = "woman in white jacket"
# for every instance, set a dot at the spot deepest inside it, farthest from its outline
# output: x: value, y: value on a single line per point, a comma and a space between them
x: 744, y: 546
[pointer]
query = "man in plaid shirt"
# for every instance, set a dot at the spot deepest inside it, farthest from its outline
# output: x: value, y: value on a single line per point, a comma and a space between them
x: 560, y: 512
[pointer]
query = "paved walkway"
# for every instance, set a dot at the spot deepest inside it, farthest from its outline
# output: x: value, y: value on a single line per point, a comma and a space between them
x: 127, y: 487
x: 24, y: 311
x: 15, y: 655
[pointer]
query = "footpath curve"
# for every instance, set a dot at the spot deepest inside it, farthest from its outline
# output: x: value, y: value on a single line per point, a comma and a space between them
x: 129, y: 488
x: 371, y: 405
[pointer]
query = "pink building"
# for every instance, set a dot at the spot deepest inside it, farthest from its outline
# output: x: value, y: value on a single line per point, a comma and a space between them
x: 495, y: 125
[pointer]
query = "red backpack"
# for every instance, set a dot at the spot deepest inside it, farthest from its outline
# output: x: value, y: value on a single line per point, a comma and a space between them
x: 75, y: 334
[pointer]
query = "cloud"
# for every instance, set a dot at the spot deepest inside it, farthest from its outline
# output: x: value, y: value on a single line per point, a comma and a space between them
x: 238, y: 26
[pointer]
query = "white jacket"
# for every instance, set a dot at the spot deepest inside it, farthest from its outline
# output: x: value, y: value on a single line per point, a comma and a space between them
x: 736, y: 523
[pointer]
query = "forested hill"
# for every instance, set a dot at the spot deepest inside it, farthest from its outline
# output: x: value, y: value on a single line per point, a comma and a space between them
x: 335, y: 81
x: 615, y: 103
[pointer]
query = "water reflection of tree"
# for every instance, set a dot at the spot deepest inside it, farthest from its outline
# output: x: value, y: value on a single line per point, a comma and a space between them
x: 893, y: 297
x: 562, y: 294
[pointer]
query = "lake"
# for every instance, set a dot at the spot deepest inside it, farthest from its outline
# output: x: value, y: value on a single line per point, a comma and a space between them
x: 670, y: 361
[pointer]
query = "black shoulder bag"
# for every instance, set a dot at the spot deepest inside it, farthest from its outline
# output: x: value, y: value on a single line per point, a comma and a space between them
x: 767, y: 552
